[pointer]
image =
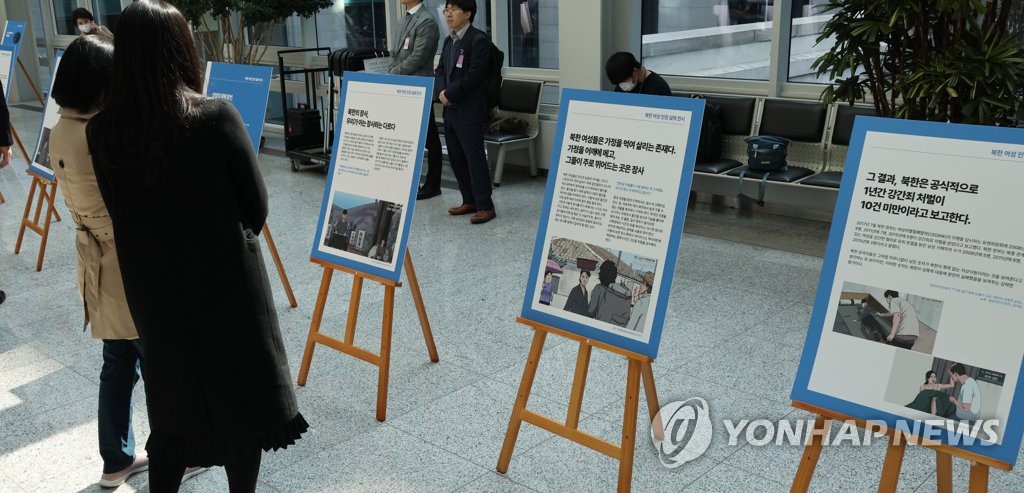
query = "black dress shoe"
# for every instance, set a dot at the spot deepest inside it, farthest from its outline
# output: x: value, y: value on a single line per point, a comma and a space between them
x: 426, y: 193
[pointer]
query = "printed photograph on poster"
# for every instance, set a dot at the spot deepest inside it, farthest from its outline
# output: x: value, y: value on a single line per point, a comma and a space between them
x: 944, y: 388
x: 362, y: 226
x: 888, y: 316
x: 609, y: 286
x: 43, y: 150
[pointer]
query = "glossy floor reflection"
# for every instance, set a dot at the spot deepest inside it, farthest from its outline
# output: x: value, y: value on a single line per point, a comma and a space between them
x: 737, y: 318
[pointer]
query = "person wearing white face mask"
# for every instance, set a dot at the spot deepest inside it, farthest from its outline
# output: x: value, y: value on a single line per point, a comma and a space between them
x: 87, y: 23
x: 626, y: 73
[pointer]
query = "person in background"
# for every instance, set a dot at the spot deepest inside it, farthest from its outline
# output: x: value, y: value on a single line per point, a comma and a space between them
x: 218, y: 386
x: 78, y: 88
x: 905, y: 325
x: 578, y: 300
x: 87, y: 25
x: 5, y: 146
x: 413, y: 54
x: 545, y: 291
x: 458, y: 83
x: 627, y: 75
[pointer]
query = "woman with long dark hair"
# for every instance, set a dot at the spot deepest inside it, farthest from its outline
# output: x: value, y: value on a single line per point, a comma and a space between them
x: 187, y: 201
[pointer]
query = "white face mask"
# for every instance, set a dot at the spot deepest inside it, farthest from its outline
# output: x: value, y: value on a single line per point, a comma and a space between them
x: 85, y: 28
x: 627, y: 85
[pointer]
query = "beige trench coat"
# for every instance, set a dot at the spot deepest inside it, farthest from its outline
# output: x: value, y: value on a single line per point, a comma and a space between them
x: 98, y: 272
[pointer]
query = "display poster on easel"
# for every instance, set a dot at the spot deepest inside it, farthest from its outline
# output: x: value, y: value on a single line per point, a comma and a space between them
x: 9, y: 46
x: 247, y: 87
x: 917, y: 320
x: 40, y: 165
x: 374, y: 173
x: 613, y: 215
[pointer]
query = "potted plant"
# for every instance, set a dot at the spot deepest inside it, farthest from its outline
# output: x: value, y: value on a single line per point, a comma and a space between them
x: 223, y: 24
x: 942, y: 60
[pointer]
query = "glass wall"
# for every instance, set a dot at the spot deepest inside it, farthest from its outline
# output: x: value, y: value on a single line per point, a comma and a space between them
x: 533, y: 33
x: 106, y: 13
x: 808, y: 21
x: 352, y: 24
x: 62, y: 16
x: 708, y: 38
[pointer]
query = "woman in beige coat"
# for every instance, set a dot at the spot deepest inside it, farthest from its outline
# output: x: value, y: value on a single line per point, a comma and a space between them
x: 78, y: 88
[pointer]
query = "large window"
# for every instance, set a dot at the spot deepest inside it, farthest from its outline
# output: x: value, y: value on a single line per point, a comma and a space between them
x: 62, y: 16
x: 106, y: 13
x: 352, y: 24
x: 808, y: 21
x: 533, y: 33
x: 708, y: 38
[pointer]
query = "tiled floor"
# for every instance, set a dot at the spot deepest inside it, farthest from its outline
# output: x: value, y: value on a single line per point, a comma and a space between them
x: 738, y: 314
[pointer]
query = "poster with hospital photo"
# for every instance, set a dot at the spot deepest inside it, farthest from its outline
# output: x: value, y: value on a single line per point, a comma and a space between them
x: 612, y: 217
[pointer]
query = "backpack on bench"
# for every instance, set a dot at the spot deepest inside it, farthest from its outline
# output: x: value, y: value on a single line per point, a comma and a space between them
x: 765, y: 154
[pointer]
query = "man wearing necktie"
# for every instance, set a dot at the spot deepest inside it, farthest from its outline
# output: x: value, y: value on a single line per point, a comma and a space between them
x: 413, y: 54
x: 458, y: 82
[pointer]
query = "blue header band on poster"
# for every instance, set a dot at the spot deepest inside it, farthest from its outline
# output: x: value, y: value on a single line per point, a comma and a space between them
x: 247, y: 87
x: 14, y: 32
x: 1006, y: 451
x: 696, y: 107
x: 427, y: 83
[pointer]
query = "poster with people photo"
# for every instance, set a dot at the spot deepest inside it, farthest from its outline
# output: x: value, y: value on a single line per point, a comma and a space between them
x: 612, y: 217
x: 921, y: 296
x: 374, y: 173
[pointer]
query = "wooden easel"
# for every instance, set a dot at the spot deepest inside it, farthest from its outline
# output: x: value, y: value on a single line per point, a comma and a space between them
x: 347, y: 346
x: 280, y: 266
x: 639, y: 367
x: 893, y: 457
x: 43, y: 230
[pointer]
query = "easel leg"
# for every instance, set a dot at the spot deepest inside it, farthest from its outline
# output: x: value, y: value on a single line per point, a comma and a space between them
x: 653, y: 406
x: 421, y: 311
x: 804, y: 473
x: 943, y: 472
x: 51, y: 211
x: 385, y: 353
x: 280, y: 266
x: 353, y: 310
x: 24, y: 217
x: 314, y: 326
x: 579, y: 384
x: 893, y: 463
x: 629, y: 426
x: 17, y: 141
x: 979, y: 478
x: 2, y: 199
x: 31, y: 84
x: 53, y: 200
x: 522, y: 397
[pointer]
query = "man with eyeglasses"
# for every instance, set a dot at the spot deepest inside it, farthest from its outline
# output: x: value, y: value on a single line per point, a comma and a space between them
x: 459, y: 85
x: 413, y: 54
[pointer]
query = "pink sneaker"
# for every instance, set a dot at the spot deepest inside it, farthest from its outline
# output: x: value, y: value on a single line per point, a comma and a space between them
x: 118, y: 478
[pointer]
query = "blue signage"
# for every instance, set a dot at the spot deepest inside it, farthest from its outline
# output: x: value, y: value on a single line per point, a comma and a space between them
x: 245, y: 86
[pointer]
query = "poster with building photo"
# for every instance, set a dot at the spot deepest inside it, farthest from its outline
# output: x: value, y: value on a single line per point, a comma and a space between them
x: 921, y: 297
x: 612, y: 217
x: 375, y: 166
x: 40, y: 165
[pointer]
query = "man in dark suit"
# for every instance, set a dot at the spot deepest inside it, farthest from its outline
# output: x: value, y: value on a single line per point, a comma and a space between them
x: 5, y: 144
x: 459, y: 83
x: 413, y: 54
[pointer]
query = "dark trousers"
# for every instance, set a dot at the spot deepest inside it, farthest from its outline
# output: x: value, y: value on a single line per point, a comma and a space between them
x: 165, y: 477
x: 122, y: 368
x: 469, y: 162
x: 434, y: 155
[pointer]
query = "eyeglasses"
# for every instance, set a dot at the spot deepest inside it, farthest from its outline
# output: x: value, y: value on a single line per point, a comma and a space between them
x: 451, y: 10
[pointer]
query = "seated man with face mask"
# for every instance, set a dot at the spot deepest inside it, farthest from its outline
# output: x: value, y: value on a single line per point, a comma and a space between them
x: 628, y: 75
x: 87, y: 23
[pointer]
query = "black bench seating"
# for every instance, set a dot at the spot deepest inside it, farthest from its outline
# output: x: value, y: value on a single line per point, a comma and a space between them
x: 737, y: 118
x: 842, y: 129
x: 803, y: 123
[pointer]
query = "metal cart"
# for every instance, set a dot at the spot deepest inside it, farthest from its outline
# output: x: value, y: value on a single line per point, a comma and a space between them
x: 303, y: 145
